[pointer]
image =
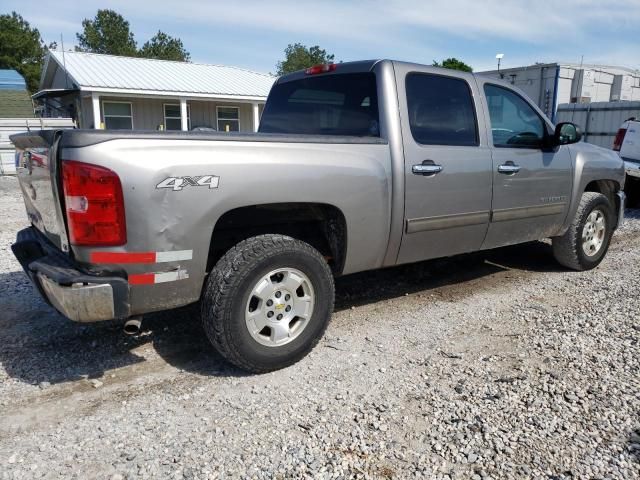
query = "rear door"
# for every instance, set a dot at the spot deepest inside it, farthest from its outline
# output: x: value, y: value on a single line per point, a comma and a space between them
x: 447, y: 163
x: 531, y: 182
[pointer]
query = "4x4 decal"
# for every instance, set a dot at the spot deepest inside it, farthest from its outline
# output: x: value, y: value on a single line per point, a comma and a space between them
x: 178, y: 183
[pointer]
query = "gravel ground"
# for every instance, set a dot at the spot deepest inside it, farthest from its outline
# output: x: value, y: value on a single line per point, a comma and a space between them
x: 492, y: 365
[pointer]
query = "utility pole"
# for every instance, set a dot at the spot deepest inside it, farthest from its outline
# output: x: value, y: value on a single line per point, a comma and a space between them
x: 499, y: 57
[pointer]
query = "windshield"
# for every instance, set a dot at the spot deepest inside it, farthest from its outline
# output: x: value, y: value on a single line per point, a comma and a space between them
x: 344, y: 104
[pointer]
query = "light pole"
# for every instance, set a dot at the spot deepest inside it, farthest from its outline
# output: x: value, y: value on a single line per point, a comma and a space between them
x: 499, y: 57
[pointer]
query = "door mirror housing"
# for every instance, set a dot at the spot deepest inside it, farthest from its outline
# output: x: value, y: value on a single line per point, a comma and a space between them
x: 567, y: 133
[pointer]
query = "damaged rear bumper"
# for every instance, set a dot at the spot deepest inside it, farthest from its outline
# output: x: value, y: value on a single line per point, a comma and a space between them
x: 78, y: 294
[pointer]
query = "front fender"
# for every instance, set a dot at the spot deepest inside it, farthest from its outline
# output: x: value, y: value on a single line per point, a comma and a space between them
x: 591, y: 163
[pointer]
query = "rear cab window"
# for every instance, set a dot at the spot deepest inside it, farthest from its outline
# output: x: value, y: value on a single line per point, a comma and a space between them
x: 441, y: 110
x: 341, y: 104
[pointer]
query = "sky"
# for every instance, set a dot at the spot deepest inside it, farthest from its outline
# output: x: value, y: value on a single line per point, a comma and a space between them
x: 253, y: 34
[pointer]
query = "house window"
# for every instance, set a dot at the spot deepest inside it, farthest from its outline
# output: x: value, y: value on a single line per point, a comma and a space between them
x: 228, y: 119
x: 172, y: 119
x: 117, y: 115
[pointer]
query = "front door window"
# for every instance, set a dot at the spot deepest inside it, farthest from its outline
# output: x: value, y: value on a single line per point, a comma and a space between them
x: 514, y: 123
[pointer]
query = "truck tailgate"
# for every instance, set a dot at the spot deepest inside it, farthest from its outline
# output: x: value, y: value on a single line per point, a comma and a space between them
x: 37, y: 170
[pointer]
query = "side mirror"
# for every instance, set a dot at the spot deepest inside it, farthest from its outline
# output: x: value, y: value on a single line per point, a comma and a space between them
x: 567, y: 133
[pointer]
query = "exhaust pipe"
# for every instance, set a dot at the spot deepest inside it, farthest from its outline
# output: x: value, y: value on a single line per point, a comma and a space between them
x: 132, y: 326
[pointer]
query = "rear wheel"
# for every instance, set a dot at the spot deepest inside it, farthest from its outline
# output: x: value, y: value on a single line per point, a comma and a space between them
x: 267, y: 302
x: 586, y: 242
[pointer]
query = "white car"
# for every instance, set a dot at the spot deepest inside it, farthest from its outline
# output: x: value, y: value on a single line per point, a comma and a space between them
x: 627, y: 144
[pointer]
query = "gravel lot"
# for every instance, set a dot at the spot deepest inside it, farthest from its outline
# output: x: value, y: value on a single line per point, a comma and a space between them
x: 491, y: 365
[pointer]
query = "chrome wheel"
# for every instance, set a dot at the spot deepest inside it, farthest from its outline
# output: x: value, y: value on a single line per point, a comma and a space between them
x: 593, y: 233
x: 279, y: 307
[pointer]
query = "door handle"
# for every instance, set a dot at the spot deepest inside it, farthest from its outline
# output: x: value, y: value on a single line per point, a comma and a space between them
x: 509, y: 168
x: 426, y: 169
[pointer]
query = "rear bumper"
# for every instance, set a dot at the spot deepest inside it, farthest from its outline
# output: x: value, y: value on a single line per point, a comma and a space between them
x: 78, y: 294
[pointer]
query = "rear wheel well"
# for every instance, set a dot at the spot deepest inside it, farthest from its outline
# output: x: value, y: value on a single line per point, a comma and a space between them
x: 320, y: 225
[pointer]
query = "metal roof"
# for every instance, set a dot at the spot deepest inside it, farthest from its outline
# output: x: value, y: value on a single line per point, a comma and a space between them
x: 11, y: 80
x: 110, y: 73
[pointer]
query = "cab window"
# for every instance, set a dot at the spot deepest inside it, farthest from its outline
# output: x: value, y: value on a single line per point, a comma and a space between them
x: 514, y: 123
x: 341, y: 104
x: 441, y: 110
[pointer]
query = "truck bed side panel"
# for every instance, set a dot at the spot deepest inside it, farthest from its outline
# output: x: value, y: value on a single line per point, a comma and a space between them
x: 354, y: 177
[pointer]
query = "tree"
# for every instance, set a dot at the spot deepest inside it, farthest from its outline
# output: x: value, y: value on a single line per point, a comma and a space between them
x: 21, y: 48
x: 298, y: 57
x: 453, y: 64
x: 109, y: 33
x: 165, y: 47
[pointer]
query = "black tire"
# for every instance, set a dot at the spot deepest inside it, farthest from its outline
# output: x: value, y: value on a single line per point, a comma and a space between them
x: 567, y: 249
x: 230, y: 284
x: 632, y: 190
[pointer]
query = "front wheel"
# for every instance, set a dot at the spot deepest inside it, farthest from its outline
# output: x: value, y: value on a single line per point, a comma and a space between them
x: 267, y: 302
x: 587, y: 240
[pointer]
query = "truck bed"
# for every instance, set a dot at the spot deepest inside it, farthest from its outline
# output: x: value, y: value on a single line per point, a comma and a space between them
x: 349, y: 174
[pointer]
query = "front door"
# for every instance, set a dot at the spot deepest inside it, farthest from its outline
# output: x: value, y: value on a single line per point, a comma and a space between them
x: 447, y: 163
x: 531, y: 182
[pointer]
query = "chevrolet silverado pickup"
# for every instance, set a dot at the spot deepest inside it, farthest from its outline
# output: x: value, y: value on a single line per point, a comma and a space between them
x: 356, y: 166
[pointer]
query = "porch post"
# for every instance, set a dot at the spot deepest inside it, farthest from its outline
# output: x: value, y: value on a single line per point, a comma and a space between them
x: 256, y: 116
x: 183, y: 115
x: 95, y: 101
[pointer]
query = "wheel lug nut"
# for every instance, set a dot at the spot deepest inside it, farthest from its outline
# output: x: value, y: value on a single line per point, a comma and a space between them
x: 269, y: 303
x: 279, y: 317
x: 278, y: 294
x: 288, y: 309
x: 269, y: 314
x: 287, y: 297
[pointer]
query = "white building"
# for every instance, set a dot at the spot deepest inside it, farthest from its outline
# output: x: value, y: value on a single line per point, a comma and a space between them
x: 106, y: 91
x: 551, y: 84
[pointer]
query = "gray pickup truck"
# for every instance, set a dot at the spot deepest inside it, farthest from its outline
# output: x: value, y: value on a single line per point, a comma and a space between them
x: 356, y: 166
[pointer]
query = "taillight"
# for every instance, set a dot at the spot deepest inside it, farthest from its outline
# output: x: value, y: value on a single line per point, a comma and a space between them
x: 324, y: 68
x: 94, y: 204
x: 617, y: 142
